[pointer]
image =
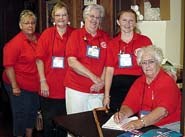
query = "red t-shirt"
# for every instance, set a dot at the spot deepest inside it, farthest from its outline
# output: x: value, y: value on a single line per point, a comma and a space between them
x: 19, y: 53
x: 51, y: 44
x: 77, y: 47
x: 116, y: 45
x: 162, y: 92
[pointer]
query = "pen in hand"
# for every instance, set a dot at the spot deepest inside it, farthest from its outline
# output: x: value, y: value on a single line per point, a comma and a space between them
x: 118, y: 116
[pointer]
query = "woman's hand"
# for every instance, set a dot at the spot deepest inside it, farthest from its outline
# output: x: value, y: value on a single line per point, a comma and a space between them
x: 135, y: 124
x: 106, y: 102
x: 119, y: 116
x: 44, y: 89
x: 16, y: 91
x: 97, y: 86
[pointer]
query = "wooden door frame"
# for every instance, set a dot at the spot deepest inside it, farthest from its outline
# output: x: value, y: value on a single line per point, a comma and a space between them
x: 183, y: 89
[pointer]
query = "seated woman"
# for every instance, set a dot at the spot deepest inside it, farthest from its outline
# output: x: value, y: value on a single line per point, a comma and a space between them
x: 154, y: 96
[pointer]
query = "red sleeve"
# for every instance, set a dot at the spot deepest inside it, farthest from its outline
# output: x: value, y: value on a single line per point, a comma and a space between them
x: 11, y: 52
x: 142, y: 40
x: 146, y: 41
x: 168, y: 95
x: 110, y: 60
x: 44, y: 42
x: 72, y: 44
x: 106, y: 37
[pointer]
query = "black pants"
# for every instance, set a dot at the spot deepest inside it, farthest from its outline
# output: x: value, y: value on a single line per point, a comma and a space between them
x: 51, y: 108
x: 24, y: 109
x: 119, y: 89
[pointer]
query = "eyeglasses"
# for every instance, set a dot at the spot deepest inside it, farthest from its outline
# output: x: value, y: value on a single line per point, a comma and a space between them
x: 29, y: 23
x: 61, y: 15
x: 94, y: 17
x: 148, y: 62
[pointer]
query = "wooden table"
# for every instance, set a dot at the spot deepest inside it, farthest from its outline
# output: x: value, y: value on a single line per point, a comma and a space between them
x: 83, y: 124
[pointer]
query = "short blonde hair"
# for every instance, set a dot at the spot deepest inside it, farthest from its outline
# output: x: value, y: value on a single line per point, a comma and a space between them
x: 91, y: 7
x: 154, y: 51
x: 59, y: 5
x: 26, y: 13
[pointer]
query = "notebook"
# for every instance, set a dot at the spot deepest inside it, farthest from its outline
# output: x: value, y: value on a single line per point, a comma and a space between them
x: 111, y: 124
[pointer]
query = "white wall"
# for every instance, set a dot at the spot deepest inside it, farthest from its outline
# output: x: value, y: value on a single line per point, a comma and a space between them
x: 173, y: 33
x: 156, y: 31
x: 167, y: 34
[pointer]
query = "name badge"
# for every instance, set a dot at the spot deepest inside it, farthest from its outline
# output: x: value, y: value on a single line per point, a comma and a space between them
x: 93, y: 51
x: 57, y: 62
x: 143, y: 113
x: 125, y: 60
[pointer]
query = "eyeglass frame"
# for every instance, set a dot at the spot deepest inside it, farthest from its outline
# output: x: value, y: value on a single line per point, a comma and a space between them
x: 147, y: 62
x: 29, y: 23
x: 61, y: 15
x: 94, y: 17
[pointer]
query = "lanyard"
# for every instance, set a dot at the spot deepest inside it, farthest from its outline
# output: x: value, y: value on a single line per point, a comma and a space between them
x: 88, y: 43
x: 53, y: 41
x: 124, y: 48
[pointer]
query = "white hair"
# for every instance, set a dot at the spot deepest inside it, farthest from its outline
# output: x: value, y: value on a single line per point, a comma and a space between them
x: 154, y: 51
x: 91, y: 7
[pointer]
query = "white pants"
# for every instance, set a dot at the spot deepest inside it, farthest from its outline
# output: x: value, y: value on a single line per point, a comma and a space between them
x: 77, y: 101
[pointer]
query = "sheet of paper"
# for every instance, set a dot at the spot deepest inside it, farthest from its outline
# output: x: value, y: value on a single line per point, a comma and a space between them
x: 111, y: 124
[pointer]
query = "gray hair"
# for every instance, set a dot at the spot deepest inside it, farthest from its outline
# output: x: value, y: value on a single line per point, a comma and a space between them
x: 154, y: 51
x: 26, y: 13
x: 91, y: 7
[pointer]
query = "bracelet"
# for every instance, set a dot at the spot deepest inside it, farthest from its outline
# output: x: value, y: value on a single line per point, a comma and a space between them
x: 15, y: 88
x: 107, y: 96
x: 42, y: 80
x: 143, y: 122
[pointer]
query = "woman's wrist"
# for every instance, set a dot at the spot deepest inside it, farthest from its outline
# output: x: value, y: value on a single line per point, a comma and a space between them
x: 143, y: 122
x: 15, y: 87
x: 106, y: 96
x: 42, y: 80
x: 123, y: 113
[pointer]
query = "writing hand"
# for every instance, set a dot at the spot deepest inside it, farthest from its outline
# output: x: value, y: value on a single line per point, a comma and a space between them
x: 119, y: 116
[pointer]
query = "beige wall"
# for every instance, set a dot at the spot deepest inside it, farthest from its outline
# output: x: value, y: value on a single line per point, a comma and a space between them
x: 174, y: 44
x: 168, y: 34
x: 182, y: 32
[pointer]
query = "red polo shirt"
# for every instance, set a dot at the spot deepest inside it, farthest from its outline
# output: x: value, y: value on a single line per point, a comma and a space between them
x: 19, y: 53
x: 162, y: 92
x: 77, y: 47
x: 116, y: 45
x: 51, y: 44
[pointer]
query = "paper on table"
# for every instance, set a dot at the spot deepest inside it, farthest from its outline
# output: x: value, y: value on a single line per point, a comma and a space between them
x: 111, y: 124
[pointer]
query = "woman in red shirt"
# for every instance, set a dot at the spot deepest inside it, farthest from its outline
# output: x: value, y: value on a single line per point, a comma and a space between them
x: 52, y: 66
x: 121, y: 66
x: 20, y: 76
x: 86, y: 51
x: 154, y: 96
